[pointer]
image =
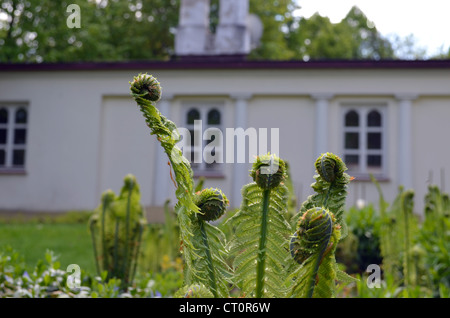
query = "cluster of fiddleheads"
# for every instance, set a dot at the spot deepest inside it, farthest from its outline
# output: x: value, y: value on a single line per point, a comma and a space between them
x: 262, y: 240
x: 116, y: 229
x: 318, y: 230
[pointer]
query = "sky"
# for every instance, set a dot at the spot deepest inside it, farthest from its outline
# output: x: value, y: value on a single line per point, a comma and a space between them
x: 428, y: 21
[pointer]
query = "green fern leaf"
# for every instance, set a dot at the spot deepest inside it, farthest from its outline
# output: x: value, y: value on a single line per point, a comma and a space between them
x: 203, y: 245
x: 261, y: 232
x: 330, y: 187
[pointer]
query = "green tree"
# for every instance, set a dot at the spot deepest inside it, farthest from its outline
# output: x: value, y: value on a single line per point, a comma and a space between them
x: 355, y: 37
x: 36, y: 30
x: 278, y: 20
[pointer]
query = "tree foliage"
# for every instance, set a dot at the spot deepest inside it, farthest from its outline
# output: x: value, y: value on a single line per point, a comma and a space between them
x: 111, y: 30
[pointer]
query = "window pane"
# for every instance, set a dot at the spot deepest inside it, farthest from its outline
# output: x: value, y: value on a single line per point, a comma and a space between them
x: 374, y: 141
x: 374, y: 119
x: 21, y: 116
x: 19, y: 157
x: 194, y: 142
x: 214, y: 117
x: 351, y: 140
x: 3, y: 135
x: 20, y: 136
x: 374, y: 160
x: 352, y: 119
x: 2, y: 157
x: 351, y: 161
x: 3, y: 116
x: 192, y: 115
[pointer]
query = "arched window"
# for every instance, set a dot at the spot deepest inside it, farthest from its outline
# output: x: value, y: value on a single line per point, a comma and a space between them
x: 3, y: 116
x: 352, y: 119
x: 374, y: 119
x: 213, y: 117
x: 364, y: 139
x: 205, y: 147
x: 192, y: 115
x: 21, y: 116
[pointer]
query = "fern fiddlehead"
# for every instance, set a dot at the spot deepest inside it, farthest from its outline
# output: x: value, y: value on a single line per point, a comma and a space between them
x: 261, y: 230
x: 330, y: 187
x: 316, y: 235
x: 212, y: 204
x: 202, y: 243
x: 318, y: 231
x: 117, y: 227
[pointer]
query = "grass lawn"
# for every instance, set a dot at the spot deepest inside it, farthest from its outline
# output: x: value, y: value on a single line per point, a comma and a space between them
x: 71, y: 242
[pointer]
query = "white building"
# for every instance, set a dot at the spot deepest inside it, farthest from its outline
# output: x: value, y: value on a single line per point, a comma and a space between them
x: 70, y: 131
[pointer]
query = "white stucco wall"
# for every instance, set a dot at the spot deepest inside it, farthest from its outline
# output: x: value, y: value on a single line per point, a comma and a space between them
x: 85, y: 132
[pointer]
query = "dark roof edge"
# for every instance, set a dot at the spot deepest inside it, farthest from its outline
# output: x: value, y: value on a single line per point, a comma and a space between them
x: 227, y: 64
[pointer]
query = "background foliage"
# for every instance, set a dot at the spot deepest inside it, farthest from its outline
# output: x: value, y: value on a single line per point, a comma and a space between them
x: 111, y: 30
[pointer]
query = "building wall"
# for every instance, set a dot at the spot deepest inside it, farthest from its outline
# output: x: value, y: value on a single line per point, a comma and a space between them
x: 85, y: 132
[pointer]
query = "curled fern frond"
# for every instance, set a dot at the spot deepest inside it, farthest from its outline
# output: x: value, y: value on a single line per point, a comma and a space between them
x: 313, y: 246
x: 313, y: 232
x: 330, y: 167
x: 146, y: 87
x: 212, y: 203
x: 330, y: 187
x: 116, y: 228
x: 320, y: 226
x: 261, y: 234
x: 202, y: 243
x: 268, y: 171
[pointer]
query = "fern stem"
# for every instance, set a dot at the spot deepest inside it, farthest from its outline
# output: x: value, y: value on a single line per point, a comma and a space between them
x: 105, y: 253
x: 94, y: 244
x: 116, y: 250
x: 125, y: 267
x: 406, y: 242
x: 316, y: 265
x: 136, y: 251
x: 212, y: 276
x: 325, y: 201
x: 260, y: 270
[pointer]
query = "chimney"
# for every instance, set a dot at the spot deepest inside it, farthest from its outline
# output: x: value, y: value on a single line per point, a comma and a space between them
x: 232, y: 35
x: 194, y: 39
x: 193, y: 28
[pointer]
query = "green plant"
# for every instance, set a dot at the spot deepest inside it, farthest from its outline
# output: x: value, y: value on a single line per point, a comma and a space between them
x: 116, y: 229
x: 260, y: 243
x: 434, y: 241
x: 398, y: 234
x: 318, y: 231
x: 261, y: 230
x: 203, y: 244
x: 361, y: 247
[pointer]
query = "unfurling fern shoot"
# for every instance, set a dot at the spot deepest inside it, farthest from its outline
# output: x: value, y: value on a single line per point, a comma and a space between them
x: 318, y: 231
x: 212, y: 204
x: 203, y: 243
x: 116, y: 229
x: 261, y: 231
x: 330, y: 187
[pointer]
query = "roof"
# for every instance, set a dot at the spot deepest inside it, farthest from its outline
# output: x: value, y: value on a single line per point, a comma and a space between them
x: 224, y: 63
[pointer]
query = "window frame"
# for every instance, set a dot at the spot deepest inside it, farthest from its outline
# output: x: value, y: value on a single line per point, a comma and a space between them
x: 204, y: 107
x: 363, y: 109
x: 9, y: 147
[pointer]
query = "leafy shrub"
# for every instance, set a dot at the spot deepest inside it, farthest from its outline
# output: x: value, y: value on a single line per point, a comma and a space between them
x: 48, y: 280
